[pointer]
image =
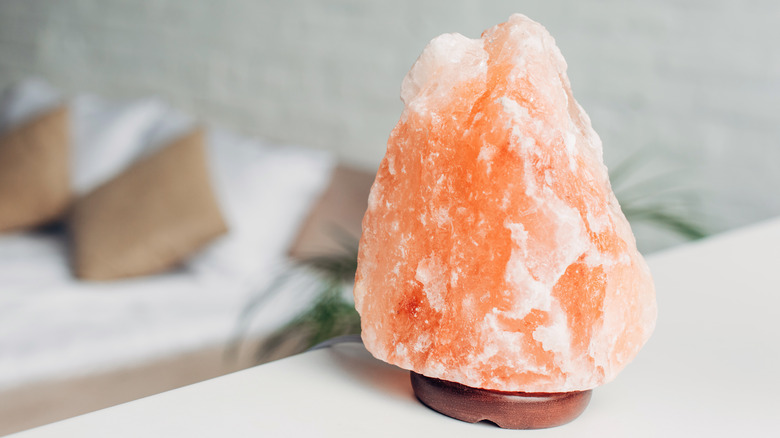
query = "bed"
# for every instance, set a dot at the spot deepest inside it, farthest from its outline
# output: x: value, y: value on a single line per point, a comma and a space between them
x: 61, y: 334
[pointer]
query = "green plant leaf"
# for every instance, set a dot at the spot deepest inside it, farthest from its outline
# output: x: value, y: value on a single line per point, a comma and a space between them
x: 674, y: 222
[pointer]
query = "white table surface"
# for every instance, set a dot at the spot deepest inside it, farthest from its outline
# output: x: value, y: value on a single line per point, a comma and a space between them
x: 710, y: 369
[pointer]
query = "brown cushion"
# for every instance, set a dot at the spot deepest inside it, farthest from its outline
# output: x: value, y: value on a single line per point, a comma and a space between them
x: 34, y: 171
x: 335, y: 220
x: 149, y: 218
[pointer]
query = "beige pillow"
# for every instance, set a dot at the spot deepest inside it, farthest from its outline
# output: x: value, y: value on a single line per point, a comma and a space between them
x: 34, y: 171
x: 335, y: 220
x: 149, y: 218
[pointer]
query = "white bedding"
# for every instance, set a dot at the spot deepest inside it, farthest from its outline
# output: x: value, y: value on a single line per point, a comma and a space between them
x: 54, y: 326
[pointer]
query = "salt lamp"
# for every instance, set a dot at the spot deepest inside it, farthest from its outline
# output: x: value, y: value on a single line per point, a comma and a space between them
x: 495, y: 262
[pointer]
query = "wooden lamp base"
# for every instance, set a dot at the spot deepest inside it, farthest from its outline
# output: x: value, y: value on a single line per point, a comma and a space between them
x: 508, y: 410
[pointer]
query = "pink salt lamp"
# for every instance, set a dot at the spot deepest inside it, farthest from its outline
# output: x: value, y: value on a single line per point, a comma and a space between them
x: 495, y: 262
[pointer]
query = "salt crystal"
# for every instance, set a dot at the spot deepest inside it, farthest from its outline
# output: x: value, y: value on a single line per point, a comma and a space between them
x: 499, y: 258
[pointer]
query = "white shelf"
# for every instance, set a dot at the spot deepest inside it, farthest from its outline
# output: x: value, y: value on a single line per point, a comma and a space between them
x: 710, y: 370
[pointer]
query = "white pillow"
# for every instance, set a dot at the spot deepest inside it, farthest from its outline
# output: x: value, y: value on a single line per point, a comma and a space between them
x: 24, y: 100
x: 265, y: 192
x: 108, y: 136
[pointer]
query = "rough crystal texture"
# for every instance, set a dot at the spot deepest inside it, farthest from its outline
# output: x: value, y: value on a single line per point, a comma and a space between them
x: 494, y: 253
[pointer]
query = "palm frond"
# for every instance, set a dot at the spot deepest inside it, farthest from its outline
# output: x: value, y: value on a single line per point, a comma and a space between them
x: 329, y: 314
x: 661, y: 199
x: 677, y: 223
x: 329, y: 317
x: 622, y: 171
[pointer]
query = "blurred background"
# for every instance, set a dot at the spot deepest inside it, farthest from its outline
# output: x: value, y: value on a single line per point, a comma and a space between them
x: 696, y: 84
x: 684, y: 94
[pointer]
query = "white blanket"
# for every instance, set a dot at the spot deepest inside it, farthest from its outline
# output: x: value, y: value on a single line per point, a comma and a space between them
x: 54, y: 326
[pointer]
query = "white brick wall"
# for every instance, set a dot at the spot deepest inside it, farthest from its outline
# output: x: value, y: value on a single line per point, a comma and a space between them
x: 698, y: 82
